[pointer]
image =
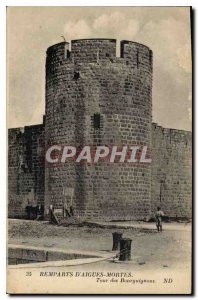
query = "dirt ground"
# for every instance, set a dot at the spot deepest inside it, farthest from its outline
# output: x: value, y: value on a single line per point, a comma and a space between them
x: 170, y: 249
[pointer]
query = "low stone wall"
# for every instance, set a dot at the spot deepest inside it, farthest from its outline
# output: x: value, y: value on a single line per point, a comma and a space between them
x: 24, y: 255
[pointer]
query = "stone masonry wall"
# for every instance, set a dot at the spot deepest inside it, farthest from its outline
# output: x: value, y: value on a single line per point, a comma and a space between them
x: 92, y: 80
x: 88, y: 81
x: 25, y: 168
x: 172, y: 171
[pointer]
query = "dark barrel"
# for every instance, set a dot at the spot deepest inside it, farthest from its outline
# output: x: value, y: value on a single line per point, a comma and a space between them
x: 116, y: 240
x: 125, y: 249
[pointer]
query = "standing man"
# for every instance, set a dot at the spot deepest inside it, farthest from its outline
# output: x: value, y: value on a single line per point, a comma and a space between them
x: 158, y: 217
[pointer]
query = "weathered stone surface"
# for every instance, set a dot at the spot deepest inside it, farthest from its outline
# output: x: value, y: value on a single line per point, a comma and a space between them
x: 81, y: 84
x: 25, y: 168
x: 172, y: 171
x: 121, y: 93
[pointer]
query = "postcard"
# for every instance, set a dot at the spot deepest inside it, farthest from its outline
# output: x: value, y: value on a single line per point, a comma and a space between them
x: 99, y: 119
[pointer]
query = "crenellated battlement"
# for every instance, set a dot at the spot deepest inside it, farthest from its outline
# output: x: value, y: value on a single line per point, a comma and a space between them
x: 93, y: 50
x: 137, y: 55
x: 134, y: 54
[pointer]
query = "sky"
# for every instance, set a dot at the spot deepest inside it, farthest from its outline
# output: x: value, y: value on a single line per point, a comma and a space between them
x: 166, y: 30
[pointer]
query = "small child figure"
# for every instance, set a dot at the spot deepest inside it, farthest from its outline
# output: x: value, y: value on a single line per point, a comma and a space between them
x: 158, y: 216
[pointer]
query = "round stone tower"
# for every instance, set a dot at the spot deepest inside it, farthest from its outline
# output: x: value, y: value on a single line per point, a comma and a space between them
x: 95, y: 98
